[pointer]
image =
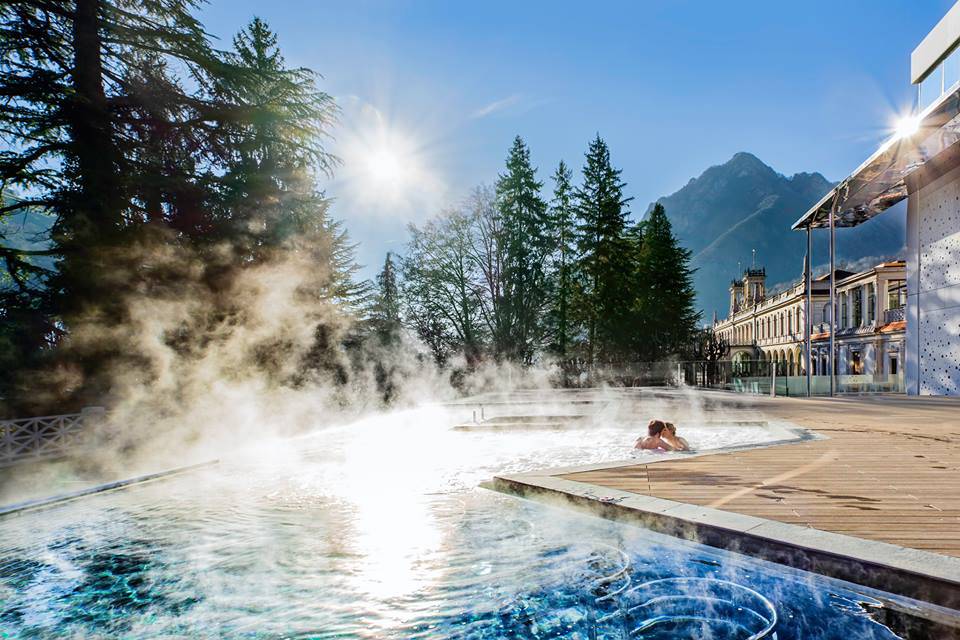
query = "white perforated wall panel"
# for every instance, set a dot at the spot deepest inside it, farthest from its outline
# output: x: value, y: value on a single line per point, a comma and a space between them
x: 937, y: 301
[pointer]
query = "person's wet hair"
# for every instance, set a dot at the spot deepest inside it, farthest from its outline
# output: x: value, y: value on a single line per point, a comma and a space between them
x: 654, y: 427
x: 669, y: 426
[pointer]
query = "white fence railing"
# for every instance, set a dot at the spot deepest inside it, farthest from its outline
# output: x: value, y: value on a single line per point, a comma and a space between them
x: 46, y: 436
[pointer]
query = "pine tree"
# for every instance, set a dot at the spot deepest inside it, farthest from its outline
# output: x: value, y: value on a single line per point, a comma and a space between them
x: 274, y: 135
x: 561, y: 236
x: 72, y: 120
x: 523, y: 222
x: 668, y: 296
x: 386, y: 308
x: 149, y: 177
x: 604, y: 257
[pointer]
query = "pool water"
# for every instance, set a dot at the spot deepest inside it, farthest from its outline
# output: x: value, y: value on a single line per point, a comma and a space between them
x: 378, y: 530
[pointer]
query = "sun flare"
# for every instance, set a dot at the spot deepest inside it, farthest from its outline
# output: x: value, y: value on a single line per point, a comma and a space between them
x: 389, y: 165
x: 385, y: 168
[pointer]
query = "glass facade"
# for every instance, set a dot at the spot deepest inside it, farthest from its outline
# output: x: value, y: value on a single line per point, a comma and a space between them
x: 942, y: 79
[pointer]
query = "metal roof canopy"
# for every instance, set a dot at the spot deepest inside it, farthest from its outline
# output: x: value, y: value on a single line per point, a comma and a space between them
x: 880, y: 182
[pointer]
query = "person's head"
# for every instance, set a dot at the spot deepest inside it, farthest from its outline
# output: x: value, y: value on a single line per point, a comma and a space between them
x: 671, y: 428
x: 655, y: 427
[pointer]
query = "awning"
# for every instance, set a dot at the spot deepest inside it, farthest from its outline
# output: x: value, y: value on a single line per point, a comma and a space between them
x: 880, y: 182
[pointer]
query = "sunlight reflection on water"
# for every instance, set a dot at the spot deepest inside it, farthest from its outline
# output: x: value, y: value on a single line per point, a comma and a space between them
x: 376, y: 529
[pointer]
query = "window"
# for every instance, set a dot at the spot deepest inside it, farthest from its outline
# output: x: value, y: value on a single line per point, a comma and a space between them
x: 896, y: 294
x: 893, y: 365
x: 826, y: 314
x: 843, y: 310
x: 857, y: 295
x: 871, y: 303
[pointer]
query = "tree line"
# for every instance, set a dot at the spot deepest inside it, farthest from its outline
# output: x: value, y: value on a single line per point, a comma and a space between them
x: 167, y: 173
x: 515, y: 276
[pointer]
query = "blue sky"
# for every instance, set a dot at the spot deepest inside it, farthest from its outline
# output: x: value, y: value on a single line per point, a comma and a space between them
x: 673, y: 86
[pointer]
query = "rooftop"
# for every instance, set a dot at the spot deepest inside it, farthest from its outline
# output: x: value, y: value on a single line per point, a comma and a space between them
x: 881, y: 181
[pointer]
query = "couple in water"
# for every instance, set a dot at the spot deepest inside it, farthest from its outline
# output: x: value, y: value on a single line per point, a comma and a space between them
x: 662, y: 436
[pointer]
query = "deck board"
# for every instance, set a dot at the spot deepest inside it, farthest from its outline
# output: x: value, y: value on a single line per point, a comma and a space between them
x: 889, y: 471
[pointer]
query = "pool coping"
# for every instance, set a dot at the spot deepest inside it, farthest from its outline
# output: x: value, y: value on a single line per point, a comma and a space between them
x: 34, y: 504
x: 916, y: 574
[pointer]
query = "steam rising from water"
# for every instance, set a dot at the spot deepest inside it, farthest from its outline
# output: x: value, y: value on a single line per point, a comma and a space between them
x: 375, y: 528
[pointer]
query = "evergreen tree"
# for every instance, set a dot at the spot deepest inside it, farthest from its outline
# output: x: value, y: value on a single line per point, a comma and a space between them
x: 71, y: 123
x: 386, y: 308
x: 561, y: 235
x: 275, y: 133
x: 604, y: 251
x: 667, y: 294
x: 154, y: 186
x: 523, y: 226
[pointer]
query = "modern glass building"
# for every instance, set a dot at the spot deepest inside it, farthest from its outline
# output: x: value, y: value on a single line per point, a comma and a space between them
x: 920, y: 163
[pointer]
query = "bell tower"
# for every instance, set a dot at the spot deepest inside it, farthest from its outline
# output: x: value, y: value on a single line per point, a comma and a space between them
x: 736, y: 296
x: 755, y: 285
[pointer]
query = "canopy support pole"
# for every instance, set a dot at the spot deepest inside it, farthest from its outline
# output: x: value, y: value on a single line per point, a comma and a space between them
x: 807, y: 317
x: 833, y: 295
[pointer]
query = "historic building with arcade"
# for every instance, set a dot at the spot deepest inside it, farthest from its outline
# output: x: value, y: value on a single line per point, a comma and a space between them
x: 764, y: 326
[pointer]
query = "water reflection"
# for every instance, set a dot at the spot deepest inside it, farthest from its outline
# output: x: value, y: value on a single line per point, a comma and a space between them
x: 377, y: 530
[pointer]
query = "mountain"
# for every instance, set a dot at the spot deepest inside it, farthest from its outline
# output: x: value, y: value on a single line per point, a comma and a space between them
x: 744, y: 205
x: 27, y: 230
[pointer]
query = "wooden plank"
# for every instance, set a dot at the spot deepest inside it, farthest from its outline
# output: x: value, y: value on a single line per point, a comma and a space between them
x: 889, y: 471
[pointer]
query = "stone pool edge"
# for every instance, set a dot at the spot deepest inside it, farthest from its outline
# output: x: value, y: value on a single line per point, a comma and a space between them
x: 916, y: 574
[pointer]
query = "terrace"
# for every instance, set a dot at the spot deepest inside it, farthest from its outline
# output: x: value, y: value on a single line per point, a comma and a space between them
x: 869, y: 496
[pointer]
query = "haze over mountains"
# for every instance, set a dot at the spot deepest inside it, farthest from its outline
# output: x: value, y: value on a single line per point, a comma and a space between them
x: 742, y: 205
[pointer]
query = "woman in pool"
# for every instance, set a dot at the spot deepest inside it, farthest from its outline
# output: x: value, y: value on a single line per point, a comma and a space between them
x: 669, y: 435
x: 654, y: 441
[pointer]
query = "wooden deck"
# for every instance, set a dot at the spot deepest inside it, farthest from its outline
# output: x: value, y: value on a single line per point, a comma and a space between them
x: 889, y: 471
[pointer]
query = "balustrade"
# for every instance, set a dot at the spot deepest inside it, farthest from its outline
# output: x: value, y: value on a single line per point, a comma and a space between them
x: 46, y: 436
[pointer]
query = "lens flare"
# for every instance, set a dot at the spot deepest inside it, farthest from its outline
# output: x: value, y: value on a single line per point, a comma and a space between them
x: 906, y: 126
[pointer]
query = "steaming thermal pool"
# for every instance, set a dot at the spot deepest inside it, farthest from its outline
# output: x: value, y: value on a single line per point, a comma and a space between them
x: 378, y: 530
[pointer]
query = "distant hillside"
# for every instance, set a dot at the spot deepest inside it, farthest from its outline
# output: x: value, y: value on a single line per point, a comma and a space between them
x: 28, y: 230
x: 742, y: 205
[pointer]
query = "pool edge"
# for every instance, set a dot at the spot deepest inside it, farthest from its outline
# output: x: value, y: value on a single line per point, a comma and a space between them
x: 921, y: 575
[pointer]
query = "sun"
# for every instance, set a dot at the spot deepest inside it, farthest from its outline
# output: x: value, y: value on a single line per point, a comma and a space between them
x: 383, y: 164
x: 389, y: 167
x: 385, y: 168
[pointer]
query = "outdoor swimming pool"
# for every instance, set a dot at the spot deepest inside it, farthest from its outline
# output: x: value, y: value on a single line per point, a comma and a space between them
x: 378, y: 530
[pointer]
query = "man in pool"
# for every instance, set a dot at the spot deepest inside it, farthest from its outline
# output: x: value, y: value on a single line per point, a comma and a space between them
x: 653, y: 440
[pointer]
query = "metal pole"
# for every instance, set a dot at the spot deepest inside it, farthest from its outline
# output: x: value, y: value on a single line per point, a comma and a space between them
x: 807, y: 283
x: 833, y: 293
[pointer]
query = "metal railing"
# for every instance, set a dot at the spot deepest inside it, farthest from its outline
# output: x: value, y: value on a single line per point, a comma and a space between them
x: 894, y: 315
x: 46, y: 437
x: 765, y: 377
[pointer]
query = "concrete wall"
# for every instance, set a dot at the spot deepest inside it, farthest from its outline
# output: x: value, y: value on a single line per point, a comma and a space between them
x: 933, y: 288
